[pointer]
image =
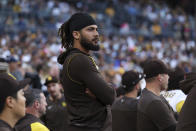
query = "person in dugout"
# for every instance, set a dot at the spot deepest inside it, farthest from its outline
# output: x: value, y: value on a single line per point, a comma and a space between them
x: 124, y: 109
x: 35, y: 108
x: 154, y: 112
x: 12, y: 100
x: 56, y: 111
x: 87, y: 94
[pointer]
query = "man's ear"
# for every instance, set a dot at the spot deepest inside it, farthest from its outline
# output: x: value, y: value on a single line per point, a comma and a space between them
x: 76, y: 35
x: 160, y: 77
x: 9, y: 102
x: 137, y: 86
x: 36, y: 104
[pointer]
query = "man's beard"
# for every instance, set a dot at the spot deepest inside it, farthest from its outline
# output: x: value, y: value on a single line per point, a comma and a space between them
x: 164, y: 87
x: 42, y: 112
x: 88, y: 45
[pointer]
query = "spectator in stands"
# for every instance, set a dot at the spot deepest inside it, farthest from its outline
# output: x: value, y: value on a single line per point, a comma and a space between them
x: 3, y: 66
x: 13, y: 68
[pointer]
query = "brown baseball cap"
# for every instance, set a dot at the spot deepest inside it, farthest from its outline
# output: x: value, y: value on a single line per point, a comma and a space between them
x: 9, y: 85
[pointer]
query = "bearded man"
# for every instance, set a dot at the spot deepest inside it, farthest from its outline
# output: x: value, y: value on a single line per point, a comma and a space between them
x: 86, y: 92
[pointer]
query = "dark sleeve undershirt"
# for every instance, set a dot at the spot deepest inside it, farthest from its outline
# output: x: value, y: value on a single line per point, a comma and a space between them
x: 82, y: 69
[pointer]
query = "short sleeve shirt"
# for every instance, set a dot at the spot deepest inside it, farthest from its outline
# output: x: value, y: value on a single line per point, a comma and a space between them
x: 154, y: 113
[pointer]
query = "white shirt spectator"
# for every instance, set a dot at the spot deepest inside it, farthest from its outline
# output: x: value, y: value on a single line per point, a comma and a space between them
x: 175, y: 98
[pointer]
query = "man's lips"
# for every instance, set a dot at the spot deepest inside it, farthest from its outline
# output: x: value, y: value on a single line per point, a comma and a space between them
x: 96, y: 40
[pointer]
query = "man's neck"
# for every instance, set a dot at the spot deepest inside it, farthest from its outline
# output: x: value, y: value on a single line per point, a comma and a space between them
x: 78, y: 46
x: 32, y: 111
x: 8, y: 118
x: 132, y: 94
x: 154, y: 88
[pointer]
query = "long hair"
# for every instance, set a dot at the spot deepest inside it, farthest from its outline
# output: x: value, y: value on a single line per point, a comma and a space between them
x: 66, y: 40
x: 76, y: 22
x: 66, y: 35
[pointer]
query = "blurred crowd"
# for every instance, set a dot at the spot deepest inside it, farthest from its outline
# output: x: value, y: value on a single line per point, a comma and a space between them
x: 130, y: 33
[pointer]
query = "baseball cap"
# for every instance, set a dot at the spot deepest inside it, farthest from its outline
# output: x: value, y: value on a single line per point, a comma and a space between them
x: 50, y: 79
x: 9, y: 85
x: 154, y: 67
x: 130, y: 79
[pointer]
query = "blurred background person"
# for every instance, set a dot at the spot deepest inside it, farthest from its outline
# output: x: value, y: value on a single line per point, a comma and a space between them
x: 3, y: 66
x: 14, y: 67
x: 56, y: 111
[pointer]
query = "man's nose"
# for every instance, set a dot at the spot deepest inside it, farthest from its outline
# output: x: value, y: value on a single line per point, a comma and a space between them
x: 96, y: 33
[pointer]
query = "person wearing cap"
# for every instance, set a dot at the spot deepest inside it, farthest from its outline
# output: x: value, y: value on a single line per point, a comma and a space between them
x: 187, y: 116
x: 174, y: 94
x: 87, y: 93
x: 124, y: 109
x: 56, y: 111
x: 12, y: 101
x: 154, y: 112
x: 35, y: 108
x: 14, y: 67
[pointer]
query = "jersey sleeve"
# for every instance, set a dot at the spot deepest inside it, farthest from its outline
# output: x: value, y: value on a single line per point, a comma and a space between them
x: 83, y: 68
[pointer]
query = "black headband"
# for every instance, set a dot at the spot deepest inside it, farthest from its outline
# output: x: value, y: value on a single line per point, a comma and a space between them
x: 80, y: 20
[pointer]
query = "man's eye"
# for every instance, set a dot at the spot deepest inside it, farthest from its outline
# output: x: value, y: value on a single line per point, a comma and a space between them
x: 90, y: 29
